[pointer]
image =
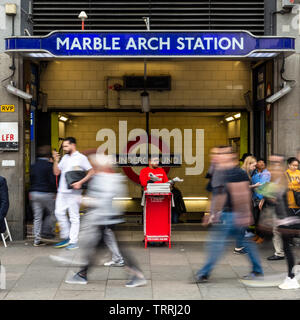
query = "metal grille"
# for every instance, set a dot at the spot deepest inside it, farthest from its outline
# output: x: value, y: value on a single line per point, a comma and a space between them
x: 164, y: 15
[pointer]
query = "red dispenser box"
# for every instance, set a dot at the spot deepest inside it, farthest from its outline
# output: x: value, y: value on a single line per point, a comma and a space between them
x: 157, y: 217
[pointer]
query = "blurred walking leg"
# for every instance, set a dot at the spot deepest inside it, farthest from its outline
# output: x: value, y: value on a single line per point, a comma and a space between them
x: 215, y: 245
x: 90, y: 238
x: 251, y: 249
x: 290, y: 260
x: 112, y: 244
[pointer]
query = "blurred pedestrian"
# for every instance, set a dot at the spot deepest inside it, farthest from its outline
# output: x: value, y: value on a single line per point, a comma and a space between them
x: 69, y: 197
x: 287, y: 223
x: 4, y: 203
x: 103, y: 213
x: 248, y: 166
x: 42, y: 195
x: 231, y: 208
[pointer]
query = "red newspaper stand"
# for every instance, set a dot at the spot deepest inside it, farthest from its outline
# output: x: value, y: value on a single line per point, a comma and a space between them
x: 157, y: 217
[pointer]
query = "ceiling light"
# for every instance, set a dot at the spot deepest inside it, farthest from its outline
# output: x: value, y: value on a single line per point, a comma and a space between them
x: 63, y: 118
x: 229, y: 119
x: 123, y: 198
x: 263, y: 55
x: 237, y: 116
x: 38, y: 55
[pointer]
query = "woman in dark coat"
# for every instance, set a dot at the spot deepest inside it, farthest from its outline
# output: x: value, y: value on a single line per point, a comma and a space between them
x: 4, y: 203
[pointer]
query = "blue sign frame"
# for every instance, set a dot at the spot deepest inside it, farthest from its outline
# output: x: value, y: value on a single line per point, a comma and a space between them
x: 145, y: 44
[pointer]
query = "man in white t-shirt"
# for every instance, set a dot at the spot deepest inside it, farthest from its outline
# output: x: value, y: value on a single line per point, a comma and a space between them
x: 69, y: 199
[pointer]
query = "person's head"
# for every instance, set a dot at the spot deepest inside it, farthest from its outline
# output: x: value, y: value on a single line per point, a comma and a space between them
x: 69, y: 145
x: 225, y: 157
x: 154, y: 162
x: 249, y: 164
x: 44, y: 152
x: 101, y: 162
x: 293, y: 163
x: 213, y: 155
x: 244, y: 156
x: 261, y: 164
x: 276, y: 167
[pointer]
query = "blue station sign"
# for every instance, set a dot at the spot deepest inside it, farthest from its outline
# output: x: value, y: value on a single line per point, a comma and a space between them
x: 150, y: 44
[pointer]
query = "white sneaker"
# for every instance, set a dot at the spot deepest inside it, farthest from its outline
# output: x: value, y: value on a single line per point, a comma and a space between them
x: 289, y: 283
x: 114, y: 263
x: 76, y: 279
x: 136, y: 282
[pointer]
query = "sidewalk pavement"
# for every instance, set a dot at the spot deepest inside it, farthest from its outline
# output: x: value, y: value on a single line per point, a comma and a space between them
x: 31, y: 275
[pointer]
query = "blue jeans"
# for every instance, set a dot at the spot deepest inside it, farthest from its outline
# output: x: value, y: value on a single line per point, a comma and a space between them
x: 215, y: 247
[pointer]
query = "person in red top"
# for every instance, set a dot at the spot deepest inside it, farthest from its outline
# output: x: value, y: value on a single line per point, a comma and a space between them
x: 146, y: 174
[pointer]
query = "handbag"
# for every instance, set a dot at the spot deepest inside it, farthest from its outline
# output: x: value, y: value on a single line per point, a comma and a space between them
x: 296, y: 193
x: 75, y: 176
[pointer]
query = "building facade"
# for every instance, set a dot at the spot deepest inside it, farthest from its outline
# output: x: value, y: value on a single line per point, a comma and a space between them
x: 95, y: 93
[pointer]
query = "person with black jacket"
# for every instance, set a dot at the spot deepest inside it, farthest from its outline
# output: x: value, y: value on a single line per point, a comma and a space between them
x: 42, y: 194
x: 4, y: 203
x: 179, y: 203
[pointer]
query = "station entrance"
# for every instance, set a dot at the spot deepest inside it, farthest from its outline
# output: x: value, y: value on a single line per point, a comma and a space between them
x: 204, y: 102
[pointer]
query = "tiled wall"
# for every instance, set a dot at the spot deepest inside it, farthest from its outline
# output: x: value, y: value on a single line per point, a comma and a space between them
x: 85, y: 128
x: 202, y: 83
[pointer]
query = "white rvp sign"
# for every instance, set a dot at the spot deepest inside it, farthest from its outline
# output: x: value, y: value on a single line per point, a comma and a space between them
x: 9, y: 137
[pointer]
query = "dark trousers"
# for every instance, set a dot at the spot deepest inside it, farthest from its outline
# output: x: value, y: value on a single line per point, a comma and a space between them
x: 287, y: 235
x: 256, y: 216
x: 286, y: 239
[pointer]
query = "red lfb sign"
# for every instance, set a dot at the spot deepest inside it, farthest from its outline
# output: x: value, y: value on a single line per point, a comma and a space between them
x: 7, y: 137
x: 157, y: 218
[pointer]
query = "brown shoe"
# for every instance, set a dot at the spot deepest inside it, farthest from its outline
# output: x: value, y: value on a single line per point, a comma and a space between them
x: 259, y: 240
x: 256, y: 238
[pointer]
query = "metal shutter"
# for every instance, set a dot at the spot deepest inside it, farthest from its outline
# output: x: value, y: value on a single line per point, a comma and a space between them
x: 164, y: 15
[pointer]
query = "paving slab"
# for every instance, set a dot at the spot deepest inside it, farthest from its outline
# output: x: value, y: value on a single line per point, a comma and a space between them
x: 31, y: 275
x: 3, y: 294
x: 175, y: 273
x: 175, y: 290
x: 116, y: 290
x: 97, y: 274
x: 224, y: 293
x: 121, y: 274
x: 79, y: 295
x: 273, y: 294
x: 167, y: 258
x: 31, y: 294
